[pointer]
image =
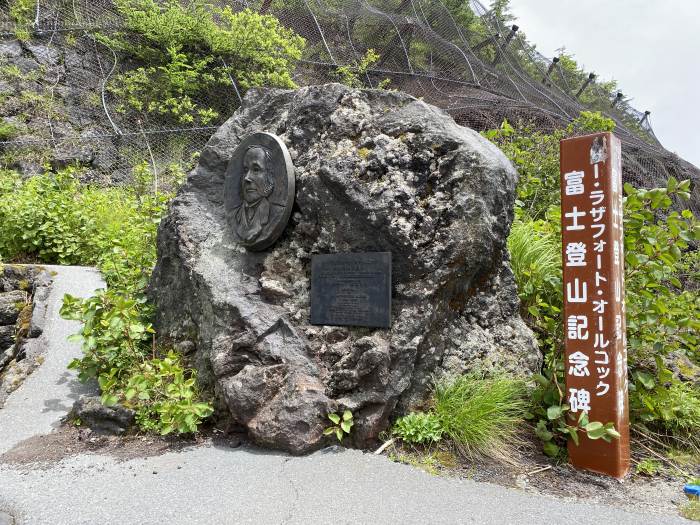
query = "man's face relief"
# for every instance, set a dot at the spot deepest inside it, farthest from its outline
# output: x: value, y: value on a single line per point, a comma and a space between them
x: 254, y: 175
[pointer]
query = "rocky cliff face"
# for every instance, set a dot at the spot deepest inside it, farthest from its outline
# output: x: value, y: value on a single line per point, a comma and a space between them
x: 375, y: 171
x: 50, y: 104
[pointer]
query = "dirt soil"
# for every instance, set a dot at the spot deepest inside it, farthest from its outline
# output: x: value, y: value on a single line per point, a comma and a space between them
x: 45, y: 450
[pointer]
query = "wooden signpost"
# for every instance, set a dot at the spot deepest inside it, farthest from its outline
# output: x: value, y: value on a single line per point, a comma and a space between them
x: 594, y: 304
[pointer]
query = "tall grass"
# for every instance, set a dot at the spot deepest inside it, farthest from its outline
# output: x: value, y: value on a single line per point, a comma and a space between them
x: 535, y: 257
x: 483, y: 417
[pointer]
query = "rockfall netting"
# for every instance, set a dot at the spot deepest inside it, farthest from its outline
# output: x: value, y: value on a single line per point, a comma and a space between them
x: 55, y: 86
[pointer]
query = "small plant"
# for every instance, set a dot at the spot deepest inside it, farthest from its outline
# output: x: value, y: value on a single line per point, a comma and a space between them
x: 7, y: 130
x: 429, y: 463
x: 164, y: 395
x: 342, y: 425
x: 555, y: 422
x: 352, y: 75
x: 481, y: 416
x: 418, y: 427
x: 22, y: 14
x: 648, y: 467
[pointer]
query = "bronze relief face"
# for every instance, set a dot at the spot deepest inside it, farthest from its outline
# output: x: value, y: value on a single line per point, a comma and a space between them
x: 259, y: 190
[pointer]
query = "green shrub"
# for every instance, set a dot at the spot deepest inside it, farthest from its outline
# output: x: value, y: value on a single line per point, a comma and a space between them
x: 418, y: 427
x: 7, y: 130
x: 536, y: 157
x: 115, y: 334
x: 22, y: 14
x: 482, y: 416
x: 56, y: 219
x: 192, y: 51
x: 662, y: 317
x: 163, y: 393
x: 664, y: 403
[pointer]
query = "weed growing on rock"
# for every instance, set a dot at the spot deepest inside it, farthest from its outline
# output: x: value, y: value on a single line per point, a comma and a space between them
x: 342, y: 425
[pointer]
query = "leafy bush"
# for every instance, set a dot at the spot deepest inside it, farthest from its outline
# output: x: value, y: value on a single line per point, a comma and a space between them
x: 481, y: 416
x: 662, y: 317
x: 418, y: 427
x: 665, y: 403
x: 22, y: 14
x: 193, y: 51
x: 536, y: 157
x: 164, y: 395
x: 56, y: 219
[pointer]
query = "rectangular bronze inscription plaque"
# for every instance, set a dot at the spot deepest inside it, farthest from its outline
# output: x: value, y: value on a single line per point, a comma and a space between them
x: 351, y: 289
x: 594, y: 297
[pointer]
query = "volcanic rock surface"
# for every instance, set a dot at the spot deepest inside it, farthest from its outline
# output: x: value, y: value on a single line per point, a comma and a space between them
x: 375, y: 171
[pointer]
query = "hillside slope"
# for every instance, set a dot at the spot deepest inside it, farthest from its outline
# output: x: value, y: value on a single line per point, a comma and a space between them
x: 58, y: 101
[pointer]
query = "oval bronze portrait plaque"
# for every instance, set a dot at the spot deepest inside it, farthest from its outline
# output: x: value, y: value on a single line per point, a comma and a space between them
x: 259, y: 190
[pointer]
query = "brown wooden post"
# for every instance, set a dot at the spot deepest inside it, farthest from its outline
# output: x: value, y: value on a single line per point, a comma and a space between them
x: 594, y: 297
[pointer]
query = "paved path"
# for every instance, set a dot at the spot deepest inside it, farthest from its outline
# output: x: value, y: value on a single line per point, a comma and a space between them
x: 213, y: 485
x: 48, y: 394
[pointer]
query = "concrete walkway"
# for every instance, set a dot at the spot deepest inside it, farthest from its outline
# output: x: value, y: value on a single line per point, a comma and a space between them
x: 48, y: 394
x: 213, y: 485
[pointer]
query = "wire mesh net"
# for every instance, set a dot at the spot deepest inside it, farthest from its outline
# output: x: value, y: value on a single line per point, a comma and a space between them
x: 55, y: 87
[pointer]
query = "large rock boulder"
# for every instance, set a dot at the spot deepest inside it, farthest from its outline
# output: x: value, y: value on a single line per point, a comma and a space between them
x: 376, y: 171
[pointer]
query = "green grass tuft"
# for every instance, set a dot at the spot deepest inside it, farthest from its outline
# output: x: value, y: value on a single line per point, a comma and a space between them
x: 482, y: 416
x: 535, y: 258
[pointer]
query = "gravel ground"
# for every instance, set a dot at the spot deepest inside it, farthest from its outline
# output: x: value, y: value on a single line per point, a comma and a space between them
x: 212, y: 483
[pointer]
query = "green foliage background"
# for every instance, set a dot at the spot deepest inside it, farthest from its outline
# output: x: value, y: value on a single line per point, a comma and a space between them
x: 56, y: 219
x: 663, y: 313
x: 192, y: 52
x: 182, y: 56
